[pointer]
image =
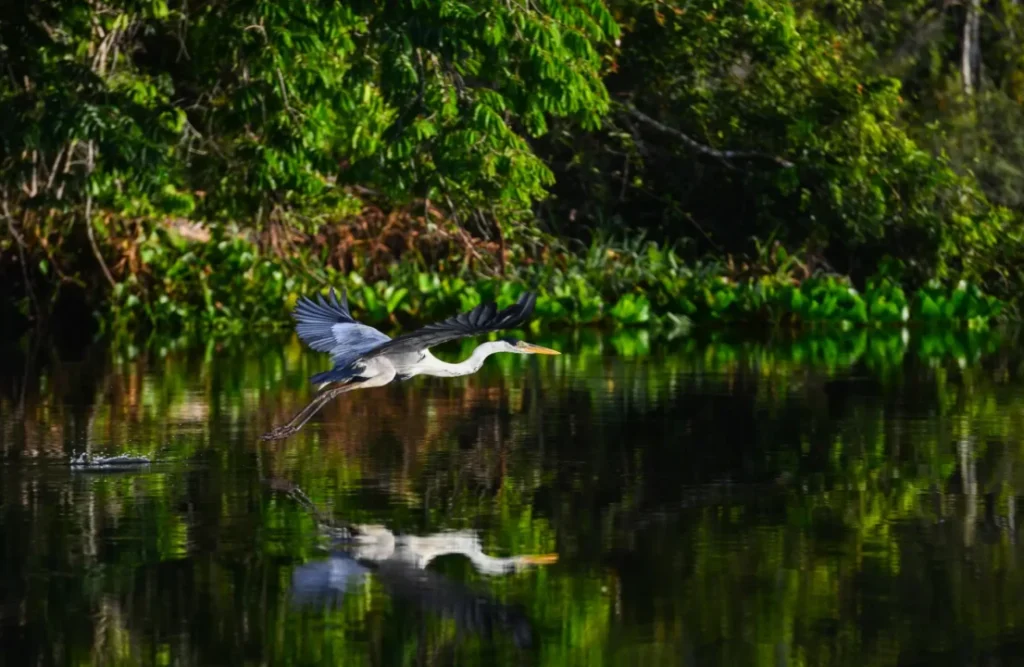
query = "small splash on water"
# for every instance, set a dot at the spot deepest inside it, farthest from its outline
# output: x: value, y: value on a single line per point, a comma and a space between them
x: 86, y: 460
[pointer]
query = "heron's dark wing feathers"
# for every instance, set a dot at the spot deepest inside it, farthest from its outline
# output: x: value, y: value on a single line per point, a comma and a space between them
x: 483, y: 319
x: 326, y: 325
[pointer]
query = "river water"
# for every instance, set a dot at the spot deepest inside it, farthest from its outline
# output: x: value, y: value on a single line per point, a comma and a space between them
x: 822, y: 501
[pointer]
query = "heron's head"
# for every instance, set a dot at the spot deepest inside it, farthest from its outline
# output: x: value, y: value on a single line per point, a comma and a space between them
x: 522, y: 347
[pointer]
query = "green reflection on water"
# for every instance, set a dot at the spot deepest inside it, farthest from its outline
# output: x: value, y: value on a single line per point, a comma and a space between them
x: 819, y: 501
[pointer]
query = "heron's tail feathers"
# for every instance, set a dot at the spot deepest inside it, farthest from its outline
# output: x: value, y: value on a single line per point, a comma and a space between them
x: 322, y: 378
x: 335, y: 376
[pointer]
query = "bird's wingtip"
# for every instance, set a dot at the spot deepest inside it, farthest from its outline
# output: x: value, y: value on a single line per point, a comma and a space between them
x: 527, y: 303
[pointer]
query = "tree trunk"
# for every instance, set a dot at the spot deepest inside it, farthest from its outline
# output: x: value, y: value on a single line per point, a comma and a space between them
x: 970, y: 56
x: 969, y: 477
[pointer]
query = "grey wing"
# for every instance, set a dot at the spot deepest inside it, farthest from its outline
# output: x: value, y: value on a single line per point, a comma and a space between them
x: 326, y: 325
x: 483, y: 319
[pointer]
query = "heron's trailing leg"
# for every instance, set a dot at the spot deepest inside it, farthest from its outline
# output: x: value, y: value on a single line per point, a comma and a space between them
x: 306, y: 413
x: 364, y: 357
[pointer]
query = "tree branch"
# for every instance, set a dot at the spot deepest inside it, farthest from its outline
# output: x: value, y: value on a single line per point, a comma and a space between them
x: 88, y: 222
x: 723, y: 156
x: 20, y: 242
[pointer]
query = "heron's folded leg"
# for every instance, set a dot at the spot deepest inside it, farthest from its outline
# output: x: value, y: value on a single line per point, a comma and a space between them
x: 306, y: 413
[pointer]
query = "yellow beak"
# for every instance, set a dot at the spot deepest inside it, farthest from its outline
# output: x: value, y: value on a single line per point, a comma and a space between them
x: 530, y: 348
x: 540, y: 559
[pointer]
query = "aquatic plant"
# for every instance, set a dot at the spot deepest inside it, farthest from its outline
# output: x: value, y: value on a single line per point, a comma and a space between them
x: 178, y: 292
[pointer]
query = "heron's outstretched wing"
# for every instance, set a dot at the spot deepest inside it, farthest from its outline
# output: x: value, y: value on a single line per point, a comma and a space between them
x: 326, y: 325
x: 483, y: 319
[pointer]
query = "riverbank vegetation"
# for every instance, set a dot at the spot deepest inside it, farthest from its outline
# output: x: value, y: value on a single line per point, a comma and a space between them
x: 183, y: 167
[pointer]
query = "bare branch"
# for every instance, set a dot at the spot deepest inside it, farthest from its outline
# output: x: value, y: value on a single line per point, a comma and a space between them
x: 723, y: 156
x: 55, y: 169
x: 92, y: 240
x: 20, y: 242
x: 284, y: 94
x: 35, y: 173
x: 471, y: 252
x: 88, y: 222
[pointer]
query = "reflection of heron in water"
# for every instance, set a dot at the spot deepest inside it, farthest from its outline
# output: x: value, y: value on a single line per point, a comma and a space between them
x: 364, y: 357
x: 399, y: 562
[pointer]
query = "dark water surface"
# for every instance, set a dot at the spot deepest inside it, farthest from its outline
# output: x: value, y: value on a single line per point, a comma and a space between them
x: 831, y: 502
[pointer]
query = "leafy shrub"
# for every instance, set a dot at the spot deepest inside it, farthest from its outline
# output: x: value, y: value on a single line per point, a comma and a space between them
x: 228, y: 286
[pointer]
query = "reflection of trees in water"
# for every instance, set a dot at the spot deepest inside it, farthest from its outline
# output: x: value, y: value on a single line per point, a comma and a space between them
x: 770, y: 509
x: 400, y: 563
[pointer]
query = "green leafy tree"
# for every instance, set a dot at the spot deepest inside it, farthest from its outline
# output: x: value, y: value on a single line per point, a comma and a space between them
x: 264, y: 113
x: 761, y: 118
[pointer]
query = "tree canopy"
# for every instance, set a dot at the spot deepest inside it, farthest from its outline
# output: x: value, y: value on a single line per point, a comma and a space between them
x: 867, y: 137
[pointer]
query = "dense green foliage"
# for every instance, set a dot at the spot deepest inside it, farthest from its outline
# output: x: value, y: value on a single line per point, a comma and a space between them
x: 828, y: 159
x: 641, y: 285
x: 480, y: 140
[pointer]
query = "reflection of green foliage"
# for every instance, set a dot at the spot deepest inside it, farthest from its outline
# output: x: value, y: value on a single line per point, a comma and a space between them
x: 729, y: 500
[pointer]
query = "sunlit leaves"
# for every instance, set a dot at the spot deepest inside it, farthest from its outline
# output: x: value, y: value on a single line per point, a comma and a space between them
x: 777, y: 78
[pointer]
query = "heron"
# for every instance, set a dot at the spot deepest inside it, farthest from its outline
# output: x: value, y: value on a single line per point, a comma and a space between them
x: 400, y: 563
x: 363, y: 357
x: 326, y: 582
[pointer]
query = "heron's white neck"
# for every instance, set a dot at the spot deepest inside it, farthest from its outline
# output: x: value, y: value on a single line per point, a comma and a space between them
x: 381, y: 545
x: 471, y: 365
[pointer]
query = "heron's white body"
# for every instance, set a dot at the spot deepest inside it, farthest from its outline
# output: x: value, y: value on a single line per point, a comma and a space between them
x: 365, y: 357
x: 377, y: 543
x: 383, y: 369
x: 425, y: 363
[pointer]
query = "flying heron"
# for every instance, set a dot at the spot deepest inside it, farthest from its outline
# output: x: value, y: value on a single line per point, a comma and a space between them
x: 365, y: 357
